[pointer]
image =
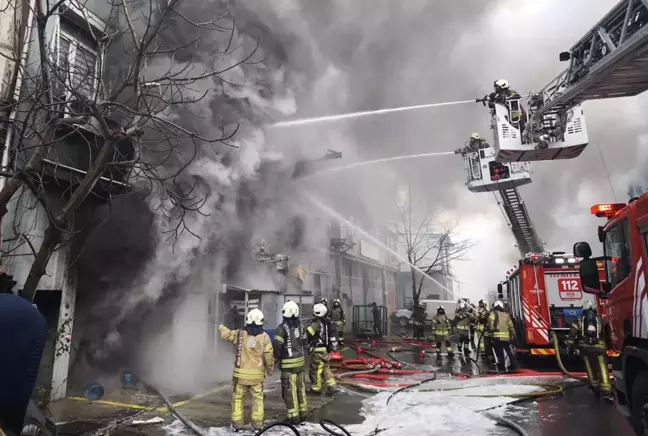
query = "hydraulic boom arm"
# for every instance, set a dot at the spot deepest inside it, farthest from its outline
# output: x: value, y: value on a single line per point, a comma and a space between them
x: 611, y: 60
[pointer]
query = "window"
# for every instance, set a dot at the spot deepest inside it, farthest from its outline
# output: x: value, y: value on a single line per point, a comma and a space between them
x: 618, y: 250
x: 76, y: 65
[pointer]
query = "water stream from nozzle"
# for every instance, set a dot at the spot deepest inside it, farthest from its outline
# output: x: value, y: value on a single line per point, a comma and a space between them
x: 375, y: 161
x: 313, y: 120
x: 373, y: 239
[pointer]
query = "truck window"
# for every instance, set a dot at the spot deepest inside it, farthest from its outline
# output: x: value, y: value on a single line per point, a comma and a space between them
x: 617, y: 248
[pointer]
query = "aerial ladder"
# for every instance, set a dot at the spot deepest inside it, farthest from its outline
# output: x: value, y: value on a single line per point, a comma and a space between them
x: 609, y: 61
x: 485, y: 174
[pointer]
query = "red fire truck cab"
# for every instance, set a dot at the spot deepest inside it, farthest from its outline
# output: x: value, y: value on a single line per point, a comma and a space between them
x: 544, y: 294
x: 625, y: 244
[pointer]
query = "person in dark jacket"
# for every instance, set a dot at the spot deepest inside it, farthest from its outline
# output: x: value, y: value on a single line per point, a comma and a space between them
x: 289, y: 349
x: 375, y: 311
x: 418, y: 320
x: 23, y: 333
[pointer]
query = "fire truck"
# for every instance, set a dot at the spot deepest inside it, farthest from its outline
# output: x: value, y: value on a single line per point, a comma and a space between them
x: 544, y: 295
x: 625, y: 246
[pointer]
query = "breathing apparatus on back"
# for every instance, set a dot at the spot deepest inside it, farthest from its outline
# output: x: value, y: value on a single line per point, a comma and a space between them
x: 591, y: 328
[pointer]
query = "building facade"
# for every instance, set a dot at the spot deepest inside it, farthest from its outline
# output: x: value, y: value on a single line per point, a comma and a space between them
x: 71, y: 34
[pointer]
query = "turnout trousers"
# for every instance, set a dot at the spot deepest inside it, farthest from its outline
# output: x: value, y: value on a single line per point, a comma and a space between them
x: 238, y: 394
x: 319, y: 372
x: 339, y: 325
x: 464, y: 340
x: 443, y: 339
x: 419, y: 330
x: 502, y: 349
x: 596, y: 367
x: 293, y: 391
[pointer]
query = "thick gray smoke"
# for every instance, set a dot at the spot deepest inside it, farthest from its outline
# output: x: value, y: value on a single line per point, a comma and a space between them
x: 325, y: 57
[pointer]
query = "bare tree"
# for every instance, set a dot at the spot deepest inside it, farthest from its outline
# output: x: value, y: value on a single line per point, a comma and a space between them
x: 131, y: 106
x: 429, y: 246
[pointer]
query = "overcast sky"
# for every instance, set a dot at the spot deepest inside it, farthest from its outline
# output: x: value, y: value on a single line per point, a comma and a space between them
x: 371, y: 54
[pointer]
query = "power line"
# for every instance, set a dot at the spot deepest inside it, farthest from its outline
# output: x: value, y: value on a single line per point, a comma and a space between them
x: 606, y: 171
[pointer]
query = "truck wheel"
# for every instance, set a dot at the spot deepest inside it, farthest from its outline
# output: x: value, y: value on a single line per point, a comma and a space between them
x: 640, y: 403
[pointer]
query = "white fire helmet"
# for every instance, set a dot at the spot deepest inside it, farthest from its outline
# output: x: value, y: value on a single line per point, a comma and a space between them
x: 475, y: 136
x: 290, y: 309
x: 336, y: 301
x: 502, y: 83
x: 254, y: 317
x: 319, y: 310
x: 498, y: 304
x: 588, y: 305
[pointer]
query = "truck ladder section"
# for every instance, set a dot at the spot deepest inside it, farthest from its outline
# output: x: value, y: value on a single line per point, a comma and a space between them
x: 525, y: 235
x: 611, y: 60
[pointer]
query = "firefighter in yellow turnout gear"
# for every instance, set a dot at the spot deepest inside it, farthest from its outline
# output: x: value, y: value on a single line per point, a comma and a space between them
x: 337, y: 317
x: 502, y: 333
x: 585, y: 335
x: 254, y: 360
x: 483, y: 336
x: 322, y: 339
x: 290, y: 351
x: 442, y: 328
x: 462, y: 320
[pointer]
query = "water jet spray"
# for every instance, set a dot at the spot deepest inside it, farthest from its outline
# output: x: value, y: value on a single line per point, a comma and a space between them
x: 375, y: 161
x: 336, y: 215
x: 313, y: 120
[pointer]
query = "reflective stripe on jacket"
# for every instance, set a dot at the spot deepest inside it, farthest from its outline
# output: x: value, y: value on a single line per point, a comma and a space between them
x: 441, y: 325
x: 254, y: 355
x: 289, y: 347
x: 501, y: 326
x: 462, y: 319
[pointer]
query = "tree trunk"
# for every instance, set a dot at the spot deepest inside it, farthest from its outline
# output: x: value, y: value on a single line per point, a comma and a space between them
x: 54, y: 232
x: 38, y: 268
x: 415, y: 295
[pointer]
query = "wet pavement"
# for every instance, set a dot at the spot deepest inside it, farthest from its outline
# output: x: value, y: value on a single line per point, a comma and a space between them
x: 576, y: 411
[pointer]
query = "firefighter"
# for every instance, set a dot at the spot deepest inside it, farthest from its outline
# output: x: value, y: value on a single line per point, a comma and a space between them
x: 289, y: 350
x: 418, y: 320
x: 475, y: 143
x: 483, y: 336
x: 322, y: 340
x: 461, y: 321
x: 502, y: 332
x: 377, y: 319
x: 502, y: 93
x: 442, y: 332
x: 585, y: 335
x: 254, y: 357
x: 338, y: 318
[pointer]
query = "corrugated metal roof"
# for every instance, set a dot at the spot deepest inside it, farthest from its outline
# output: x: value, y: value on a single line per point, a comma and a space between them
x: 262, y: 291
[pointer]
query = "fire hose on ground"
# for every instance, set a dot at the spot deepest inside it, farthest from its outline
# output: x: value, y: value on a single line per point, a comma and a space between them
x: 560, y: 363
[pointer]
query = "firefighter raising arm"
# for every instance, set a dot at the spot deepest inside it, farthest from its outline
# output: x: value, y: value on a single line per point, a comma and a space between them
x: 254, y: 360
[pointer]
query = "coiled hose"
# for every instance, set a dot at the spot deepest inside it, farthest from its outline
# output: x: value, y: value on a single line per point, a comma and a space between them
x: 562, y: 368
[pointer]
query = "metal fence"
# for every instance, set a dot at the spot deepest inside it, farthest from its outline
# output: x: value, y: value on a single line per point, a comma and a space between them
x: 363, y: 324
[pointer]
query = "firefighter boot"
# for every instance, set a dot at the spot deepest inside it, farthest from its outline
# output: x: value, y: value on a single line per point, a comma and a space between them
x: 466, y: 350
